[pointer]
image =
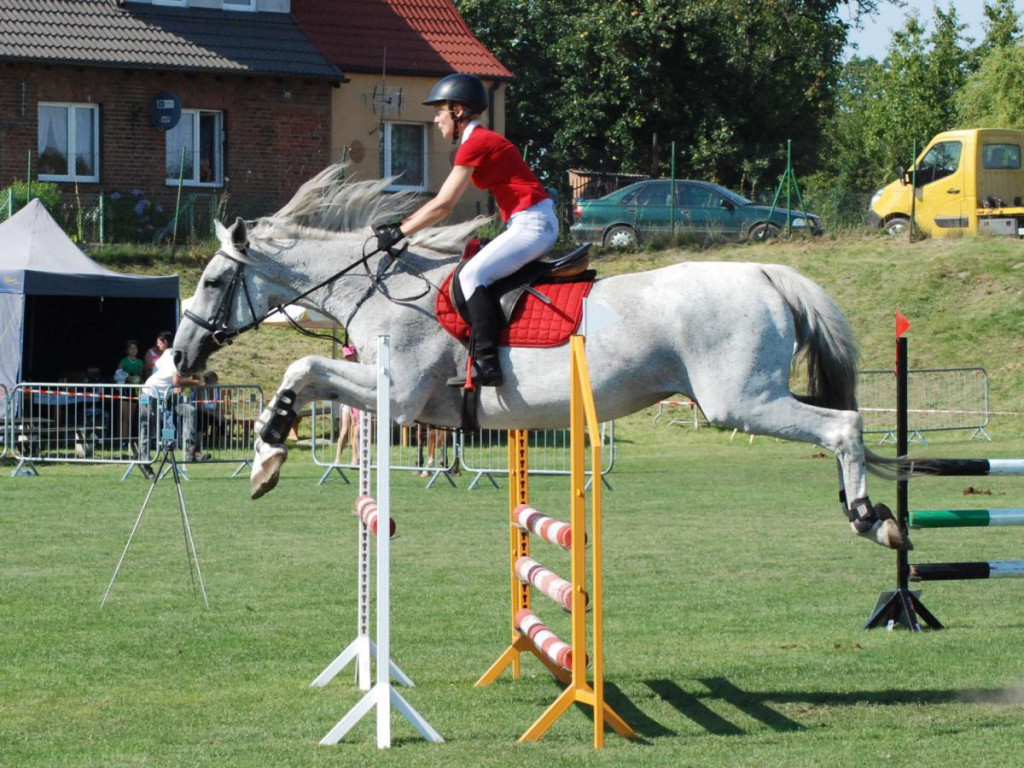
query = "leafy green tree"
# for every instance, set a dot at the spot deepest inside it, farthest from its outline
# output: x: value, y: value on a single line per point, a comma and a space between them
x: 608, y: 84
x: 1002, y: 26
x: 994, y: 97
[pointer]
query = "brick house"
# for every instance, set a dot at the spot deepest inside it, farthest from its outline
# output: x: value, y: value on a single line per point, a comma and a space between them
x: 244, y: 97
x: 81, y: 81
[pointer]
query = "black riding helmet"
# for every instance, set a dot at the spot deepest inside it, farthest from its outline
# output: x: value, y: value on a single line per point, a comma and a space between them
x: 463, y: 89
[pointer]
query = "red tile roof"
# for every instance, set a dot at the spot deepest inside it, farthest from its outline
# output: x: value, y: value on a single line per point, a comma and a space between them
x: 421, y: 37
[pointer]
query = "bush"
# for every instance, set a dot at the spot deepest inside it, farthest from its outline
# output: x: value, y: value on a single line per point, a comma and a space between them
x: 132, y: 218
x: 49, y: 195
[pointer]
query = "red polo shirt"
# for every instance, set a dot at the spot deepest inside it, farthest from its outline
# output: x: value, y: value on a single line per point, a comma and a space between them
x: 500, y: 169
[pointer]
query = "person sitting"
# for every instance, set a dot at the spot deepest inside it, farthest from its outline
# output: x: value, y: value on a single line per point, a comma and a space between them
x: 131, y: 363
x: 493, y: 163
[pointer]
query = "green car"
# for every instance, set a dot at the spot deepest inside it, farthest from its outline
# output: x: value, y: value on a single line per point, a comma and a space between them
x: 642, y: 213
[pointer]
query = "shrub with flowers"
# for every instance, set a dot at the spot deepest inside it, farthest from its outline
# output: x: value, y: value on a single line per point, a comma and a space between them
x: 132, y: 217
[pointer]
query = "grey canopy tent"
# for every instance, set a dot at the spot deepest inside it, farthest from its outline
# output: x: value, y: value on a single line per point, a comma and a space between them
x: 62, y: 315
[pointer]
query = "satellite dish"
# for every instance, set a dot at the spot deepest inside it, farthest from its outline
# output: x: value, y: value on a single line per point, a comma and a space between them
x: 165, y: 111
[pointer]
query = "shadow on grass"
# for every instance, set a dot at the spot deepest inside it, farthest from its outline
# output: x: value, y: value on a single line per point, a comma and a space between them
x: 758, y: 705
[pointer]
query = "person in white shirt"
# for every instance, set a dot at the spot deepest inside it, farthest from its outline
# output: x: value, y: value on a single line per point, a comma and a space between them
x: 158, y: 394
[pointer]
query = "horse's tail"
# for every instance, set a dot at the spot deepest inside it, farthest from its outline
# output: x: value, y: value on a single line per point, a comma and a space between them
x: 824, y: 335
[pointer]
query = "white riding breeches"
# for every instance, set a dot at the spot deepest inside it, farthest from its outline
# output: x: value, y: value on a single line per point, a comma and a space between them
x: 528, y: 236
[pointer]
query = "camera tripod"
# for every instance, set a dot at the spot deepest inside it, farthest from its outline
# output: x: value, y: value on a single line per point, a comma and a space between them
x: 167, y: 457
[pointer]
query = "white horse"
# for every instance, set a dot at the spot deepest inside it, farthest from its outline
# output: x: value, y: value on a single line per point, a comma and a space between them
x: 724, y: 334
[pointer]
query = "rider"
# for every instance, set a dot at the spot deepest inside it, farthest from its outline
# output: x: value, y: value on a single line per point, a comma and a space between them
x: 493, y: 163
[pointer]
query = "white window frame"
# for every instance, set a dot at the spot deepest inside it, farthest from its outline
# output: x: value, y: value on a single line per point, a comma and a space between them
x: 238, y: 5
x: 386, y: 158
x: 174, y: 3
x: 68, y: 106
x: 218, y: 169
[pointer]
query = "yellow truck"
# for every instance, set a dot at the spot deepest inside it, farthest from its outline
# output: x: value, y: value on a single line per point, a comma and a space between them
x: 963, y: 183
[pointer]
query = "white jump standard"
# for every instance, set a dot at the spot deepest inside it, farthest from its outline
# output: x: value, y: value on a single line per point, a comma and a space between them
x: 382, y: 695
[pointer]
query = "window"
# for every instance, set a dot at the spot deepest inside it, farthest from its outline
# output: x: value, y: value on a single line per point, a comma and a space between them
x: 941, y: 161
x: 1001, y: 156
x: 238, y: 5
x: 655, y: 193
x: 69, y: 142
x: 195, y: 149
x: 404, y: 155
x: 694, y: 196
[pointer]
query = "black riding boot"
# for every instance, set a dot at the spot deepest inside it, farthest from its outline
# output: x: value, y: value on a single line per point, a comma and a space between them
x: 485, y: 324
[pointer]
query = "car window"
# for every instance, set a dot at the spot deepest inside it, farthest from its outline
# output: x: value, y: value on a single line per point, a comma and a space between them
x: 942, y: 160
x: 695, y: 196
x: 655, y: 193
x: 1001, y: 156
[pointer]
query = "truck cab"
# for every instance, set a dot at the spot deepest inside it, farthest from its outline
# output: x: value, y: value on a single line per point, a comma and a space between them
x: 964, y: 183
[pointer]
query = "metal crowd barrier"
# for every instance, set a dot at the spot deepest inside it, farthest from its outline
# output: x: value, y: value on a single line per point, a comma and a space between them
x: 939, y: 399
x: 485, y: 454
x: 666, y: 407
x: 5, y: 424
x: 431, y: 452
x: 435, y: 452
x: 115, y: 423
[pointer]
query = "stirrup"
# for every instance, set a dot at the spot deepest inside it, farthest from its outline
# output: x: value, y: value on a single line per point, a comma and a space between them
x: 484, y: 375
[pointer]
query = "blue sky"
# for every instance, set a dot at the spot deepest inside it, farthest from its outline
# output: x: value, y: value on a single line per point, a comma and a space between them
x: 874, y: 39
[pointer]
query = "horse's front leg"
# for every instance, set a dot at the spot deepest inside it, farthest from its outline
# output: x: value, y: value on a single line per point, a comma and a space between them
x: 308, y: 379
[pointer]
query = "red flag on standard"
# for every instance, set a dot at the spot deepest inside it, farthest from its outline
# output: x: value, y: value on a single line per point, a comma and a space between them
x: 902, y: 325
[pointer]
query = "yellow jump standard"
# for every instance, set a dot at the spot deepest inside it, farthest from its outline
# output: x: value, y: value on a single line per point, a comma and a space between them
x: 582, y: 415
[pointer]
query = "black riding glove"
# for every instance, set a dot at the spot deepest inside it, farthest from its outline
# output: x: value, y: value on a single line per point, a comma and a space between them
x: 388, y: 235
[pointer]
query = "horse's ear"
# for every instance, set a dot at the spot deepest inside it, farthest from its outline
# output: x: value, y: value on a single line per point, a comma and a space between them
x: 239, y: 237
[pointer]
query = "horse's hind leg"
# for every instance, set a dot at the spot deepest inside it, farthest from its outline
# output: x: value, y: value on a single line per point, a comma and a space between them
x: 839, y: 431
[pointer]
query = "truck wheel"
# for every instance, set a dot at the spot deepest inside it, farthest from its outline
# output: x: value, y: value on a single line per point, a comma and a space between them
x: 897, y: 226
x: 621, y: 236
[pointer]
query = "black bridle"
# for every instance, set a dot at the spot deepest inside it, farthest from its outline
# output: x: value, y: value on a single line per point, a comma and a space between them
x: 222, y: 333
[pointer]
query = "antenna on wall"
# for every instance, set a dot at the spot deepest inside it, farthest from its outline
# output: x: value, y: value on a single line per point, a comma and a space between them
x: 384, y: 100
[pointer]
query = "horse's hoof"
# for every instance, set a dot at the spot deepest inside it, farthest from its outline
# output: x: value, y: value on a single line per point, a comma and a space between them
x: 887, y: 533
x: 257, y: 490
x: 266, y: 468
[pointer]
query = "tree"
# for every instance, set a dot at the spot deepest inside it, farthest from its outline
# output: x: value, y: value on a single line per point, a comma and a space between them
x: 1002, y: 26
x: 993, y: 96
x: 607, y: 84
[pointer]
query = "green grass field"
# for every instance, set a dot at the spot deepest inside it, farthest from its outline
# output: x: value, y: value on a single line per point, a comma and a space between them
x: 734, y: 600
x: 734, y: 590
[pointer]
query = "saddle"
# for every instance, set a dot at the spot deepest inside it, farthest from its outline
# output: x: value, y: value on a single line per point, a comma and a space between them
x: 541, y: 303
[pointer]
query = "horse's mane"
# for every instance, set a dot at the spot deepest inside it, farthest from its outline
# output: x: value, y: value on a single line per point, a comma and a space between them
x: 330, y: 206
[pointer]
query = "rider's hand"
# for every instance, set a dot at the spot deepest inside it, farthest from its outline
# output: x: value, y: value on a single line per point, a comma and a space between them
x: 388, y: 235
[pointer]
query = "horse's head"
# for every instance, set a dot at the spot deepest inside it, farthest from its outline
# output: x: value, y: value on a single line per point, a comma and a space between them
x: 229, y: 300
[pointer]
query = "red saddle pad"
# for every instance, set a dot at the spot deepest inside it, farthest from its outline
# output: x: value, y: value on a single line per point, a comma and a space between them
x: 534, y: 323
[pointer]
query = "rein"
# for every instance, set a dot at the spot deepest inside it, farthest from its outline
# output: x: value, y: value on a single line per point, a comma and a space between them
x: 223, y: 334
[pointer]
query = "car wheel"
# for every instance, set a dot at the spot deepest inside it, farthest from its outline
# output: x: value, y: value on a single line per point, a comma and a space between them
x: 897, y: 226
x: 621, y: 236
x: 763, y: 231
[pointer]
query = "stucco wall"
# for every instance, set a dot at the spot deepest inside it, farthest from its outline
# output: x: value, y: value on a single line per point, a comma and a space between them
x: 355, y: 132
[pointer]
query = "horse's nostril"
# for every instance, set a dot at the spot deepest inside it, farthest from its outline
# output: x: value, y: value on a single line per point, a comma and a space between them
x: 179, y: 358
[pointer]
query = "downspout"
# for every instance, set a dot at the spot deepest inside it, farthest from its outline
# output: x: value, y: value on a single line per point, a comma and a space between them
x: 491, y: 122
